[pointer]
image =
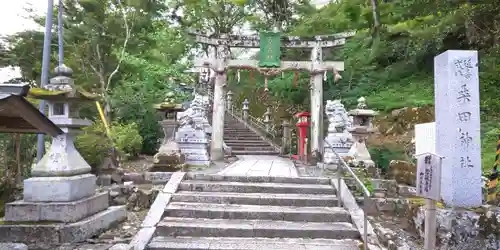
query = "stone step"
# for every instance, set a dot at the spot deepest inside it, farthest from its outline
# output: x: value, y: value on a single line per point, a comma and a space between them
x: 243, y: 152
x: 259, y: 179
x: 235, y: 126
x: 196, y: 227
x: 239, y: 133
x: 237, y: 129
x: 228, y: 243
x: 256, y: 212
x: 249, y: 145
x: 252, y: 148
x: 243, y: 136
x: 246, y: 142
x: 249, y: 187
x: 310, y: 200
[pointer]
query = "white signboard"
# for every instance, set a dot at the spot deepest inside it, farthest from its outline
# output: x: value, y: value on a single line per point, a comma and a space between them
x: 429, y: 176
x: 425, y: 138
x: 456, y: 98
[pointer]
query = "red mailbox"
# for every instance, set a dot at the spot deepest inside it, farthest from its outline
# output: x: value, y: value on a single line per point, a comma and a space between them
x: 302, y: 125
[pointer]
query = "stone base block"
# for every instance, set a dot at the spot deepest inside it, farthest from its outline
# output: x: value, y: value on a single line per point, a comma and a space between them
x: 59, y: 233
x: 23, y: 211
x: 52, y: 189
x: 198, y: 162
x: 158, y: 177
x: 13, y: 246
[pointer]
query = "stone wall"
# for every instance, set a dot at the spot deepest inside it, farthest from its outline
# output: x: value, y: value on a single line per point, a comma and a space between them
x: 137, y: 191
x: 457, y: 229
x: 403, y: 172
x: 464, y: 229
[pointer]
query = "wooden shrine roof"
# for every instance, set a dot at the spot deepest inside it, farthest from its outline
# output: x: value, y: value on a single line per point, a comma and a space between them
x: 18, y: 115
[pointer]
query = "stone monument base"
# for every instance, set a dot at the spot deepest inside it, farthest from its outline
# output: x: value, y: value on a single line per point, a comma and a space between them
x: 53, y: 233
x: 196, y: 154
x: 64, y: 188
x: 71, y: 211
x: 168, y: 161
x: 362, y: 163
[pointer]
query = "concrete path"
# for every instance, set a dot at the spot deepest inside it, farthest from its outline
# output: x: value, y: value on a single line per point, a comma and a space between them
x: 261, y: 165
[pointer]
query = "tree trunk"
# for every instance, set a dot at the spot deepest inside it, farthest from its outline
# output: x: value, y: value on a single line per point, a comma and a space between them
x: 19, y: 172
x: 376, y: 15
x: 470, y: 30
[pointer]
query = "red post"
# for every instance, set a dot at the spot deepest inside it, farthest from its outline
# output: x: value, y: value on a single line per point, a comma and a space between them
x: 302, y: 126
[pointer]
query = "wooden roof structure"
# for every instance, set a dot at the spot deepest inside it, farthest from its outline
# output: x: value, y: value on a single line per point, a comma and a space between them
x: 18, y: 115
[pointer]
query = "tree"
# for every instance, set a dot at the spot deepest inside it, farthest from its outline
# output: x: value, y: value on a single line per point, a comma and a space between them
x: 97, y: 34
x: 211, y: 16
x: 376, y: 15
x: 268, y: 14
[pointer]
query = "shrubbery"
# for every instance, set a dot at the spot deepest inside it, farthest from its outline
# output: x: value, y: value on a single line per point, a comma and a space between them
x: 127, y: 139
x: 94, y: 145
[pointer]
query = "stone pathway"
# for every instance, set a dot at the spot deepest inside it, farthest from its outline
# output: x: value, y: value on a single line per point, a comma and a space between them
x: 261, y: 165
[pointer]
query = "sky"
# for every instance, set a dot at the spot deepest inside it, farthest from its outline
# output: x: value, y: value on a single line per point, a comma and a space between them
x: 13, y: 15
x: 13, y: 19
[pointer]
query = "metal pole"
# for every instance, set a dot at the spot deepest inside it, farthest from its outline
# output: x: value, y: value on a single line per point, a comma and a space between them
x: 60, y: 32
x: 45, y: 71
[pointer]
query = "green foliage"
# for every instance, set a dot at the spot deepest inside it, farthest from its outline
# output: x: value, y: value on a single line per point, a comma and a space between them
x: 382, y: 156
x: 126, y: 139
x: 152, y: 75
x: 393, y: 67
x: 93, y: 144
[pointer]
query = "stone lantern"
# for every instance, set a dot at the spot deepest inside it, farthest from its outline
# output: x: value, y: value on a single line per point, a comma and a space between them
x: 169, y: 157
x: 63, y: 159
x: 361, y: 128
x: 245, y: 109
x: 62, y: 190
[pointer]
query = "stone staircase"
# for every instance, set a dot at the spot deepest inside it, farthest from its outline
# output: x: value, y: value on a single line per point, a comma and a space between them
x: 231, y: 212
x: 244, y: 141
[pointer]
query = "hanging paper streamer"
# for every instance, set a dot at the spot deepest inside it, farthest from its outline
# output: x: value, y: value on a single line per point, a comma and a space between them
x: 266, y: 89
x: 325, y: 77
x: 238, y: 77
x: 295, y: 78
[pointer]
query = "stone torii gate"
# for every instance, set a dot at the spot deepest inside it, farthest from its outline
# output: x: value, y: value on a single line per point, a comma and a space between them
x: 219, y: 62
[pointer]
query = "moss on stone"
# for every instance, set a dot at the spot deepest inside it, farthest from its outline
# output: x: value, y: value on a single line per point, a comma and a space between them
x: 39, y: 92
x: 166, y: 105
x: 419, y: 201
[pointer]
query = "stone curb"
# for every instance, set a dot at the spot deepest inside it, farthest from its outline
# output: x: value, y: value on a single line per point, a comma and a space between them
x: 13, y: 246
x: 155, y: 213
x: 357, y: 214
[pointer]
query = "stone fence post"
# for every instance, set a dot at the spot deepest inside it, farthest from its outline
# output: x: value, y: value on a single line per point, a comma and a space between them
x: 287, y: 134
x: 229, y: 102
x: 245, y: 110
x: 267, y: 119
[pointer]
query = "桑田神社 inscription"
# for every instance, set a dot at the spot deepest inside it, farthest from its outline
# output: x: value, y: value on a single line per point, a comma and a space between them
x: 458, y: 126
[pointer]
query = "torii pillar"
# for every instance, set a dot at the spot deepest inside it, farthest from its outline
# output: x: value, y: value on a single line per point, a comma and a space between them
x: 219, y: 103
x: 316, y: 85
